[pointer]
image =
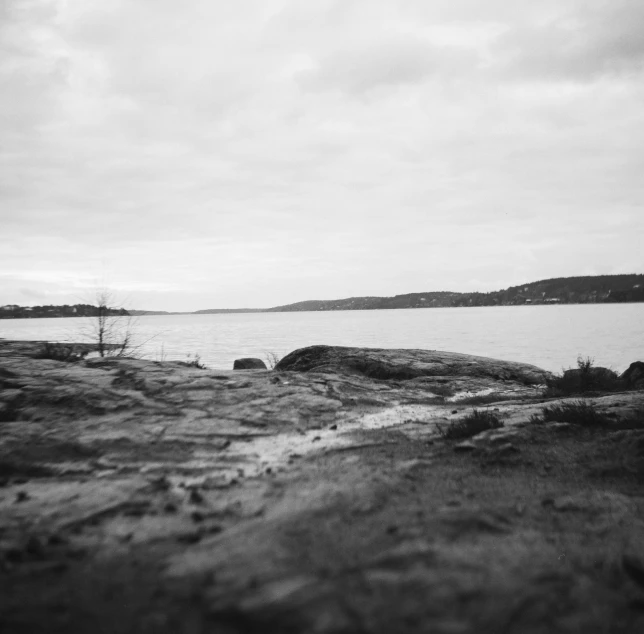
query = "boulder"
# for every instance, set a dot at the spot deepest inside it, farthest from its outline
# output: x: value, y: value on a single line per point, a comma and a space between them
x: 593, y: 377
x: 249, y: 363
x: 404, y: 365
x: 634, y: 375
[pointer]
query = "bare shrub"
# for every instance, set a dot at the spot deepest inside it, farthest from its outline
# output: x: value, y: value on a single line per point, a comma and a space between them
x: 112, y: 330
x: 194, y: 362
x: 586, y: 377
x: 471, y: 425
x: 272, y: 359
x: 575, y: 413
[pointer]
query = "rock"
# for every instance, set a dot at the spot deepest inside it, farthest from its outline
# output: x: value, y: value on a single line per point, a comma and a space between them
x: 354, y: 535
x: 634, y: 375
x: 404, y: 365
x: 596, y: 378
x: 498, y: 436
x: 465, y: 446
x: 249, y: 363
x: 559, y: 426
x: 504, y: 449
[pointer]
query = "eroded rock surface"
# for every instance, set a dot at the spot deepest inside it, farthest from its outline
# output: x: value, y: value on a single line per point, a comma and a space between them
x: 431, y: 367
x: 634, y: 374
x: 156, y: 497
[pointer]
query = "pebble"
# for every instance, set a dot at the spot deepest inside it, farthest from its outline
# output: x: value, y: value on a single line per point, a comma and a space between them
x: 465, y: 446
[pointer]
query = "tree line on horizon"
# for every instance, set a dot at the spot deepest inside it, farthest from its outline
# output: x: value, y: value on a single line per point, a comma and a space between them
x: 13, y: 311
x: 564, y: 290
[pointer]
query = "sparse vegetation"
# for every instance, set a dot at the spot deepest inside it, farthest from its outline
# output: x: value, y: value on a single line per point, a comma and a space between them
x: 112, y: 328
x: 471, y: 425
x: 575, y: 413
x: 585, y: 414
x: 442, y: 390
x: 61, y: 352
x: 272, y: 359
x: 194, y: 362
x: 586, y: 377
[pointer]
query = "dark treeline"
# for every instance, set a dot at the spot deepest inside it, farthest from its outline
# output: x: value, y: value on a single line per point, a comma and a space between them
x: 13, y: 311
x: 563, y: 290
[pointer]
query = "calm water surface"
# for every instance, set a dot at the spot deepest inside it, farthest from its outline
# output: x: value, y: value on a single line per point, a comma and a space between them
x: 548, y: 336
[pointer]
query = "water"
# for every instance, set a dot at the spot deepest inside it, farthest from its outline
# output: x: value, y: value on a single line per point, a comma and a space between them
x: 548, y: 336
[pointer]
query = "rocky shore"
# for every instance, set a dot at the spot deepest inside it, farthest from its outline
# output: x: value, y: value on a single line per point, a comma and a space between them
x: 320, y: 497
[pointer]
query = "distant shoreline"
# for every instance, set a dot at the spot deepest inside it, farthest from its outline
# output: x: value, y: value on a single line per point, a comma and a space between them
x: 596, y: 289
x: 336, y: 310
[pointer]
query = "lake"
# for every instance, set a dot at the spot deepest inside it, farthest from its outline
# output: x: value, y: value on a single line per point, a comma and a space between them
x: 548, y: 336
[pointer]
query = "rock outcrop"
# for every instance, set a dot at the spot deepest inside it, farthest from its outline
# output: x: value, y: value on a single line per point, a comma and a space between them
x: 431, y: 371
x: 249, y: 363
x: 634, y: 375
x: 140, y: 496
x: 591, y: 378
x: 404, y: 365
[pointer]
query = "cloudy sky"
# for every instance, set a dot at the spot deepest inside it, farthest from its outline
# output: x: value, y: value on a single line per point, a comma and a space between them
x: 209, y: 153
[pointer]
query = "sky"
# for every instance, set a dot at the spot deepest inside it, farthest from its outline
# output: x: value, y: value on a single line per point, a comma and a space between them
x: 216, y: 154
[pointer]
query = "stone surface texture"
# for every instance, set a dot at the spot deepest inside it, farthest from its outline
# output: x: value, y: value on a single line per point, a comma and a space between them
x: 405, y: 365
x: 150, y: 497
x: 634, y: 374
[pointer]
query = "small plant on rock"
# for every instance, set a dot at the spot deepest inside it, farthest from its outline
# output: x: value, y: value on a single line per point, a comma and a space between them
x: 442, y: 390
x: 575, y: 413
x: 272, y: 359
x: 475, y: 423
x: 586, y: 377
x: 194, y: 362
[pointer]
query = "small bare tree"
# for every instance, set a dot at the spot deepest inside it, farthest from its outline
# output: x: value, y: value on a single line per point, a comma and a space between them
x: 112, y: 329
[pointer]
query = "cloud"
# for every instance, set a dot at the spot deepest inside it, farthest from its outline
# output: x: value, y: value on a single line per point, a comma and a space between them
x: 264, y: 151
x: 582, y: 42
x: 393, y: 63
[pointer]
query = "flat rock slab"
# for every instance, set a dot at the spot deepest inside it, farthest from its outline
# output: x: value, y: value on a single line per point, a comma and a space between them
x: 139, y: 496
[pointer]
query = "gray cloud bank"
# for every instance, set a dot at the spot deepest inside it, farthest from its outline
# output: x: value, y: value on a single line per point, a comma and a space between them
x: 205, y: 154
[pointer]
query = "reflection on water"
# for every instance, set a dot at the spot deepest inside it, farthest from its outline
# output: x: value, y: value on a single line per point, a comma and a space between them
x: 548, y: 336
